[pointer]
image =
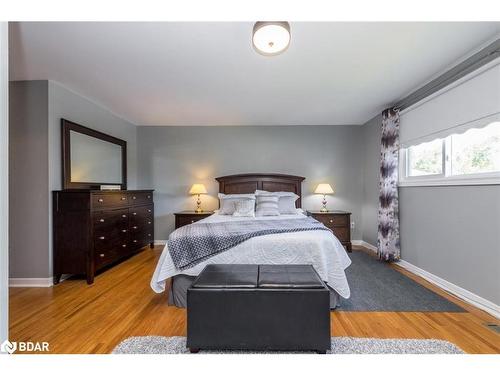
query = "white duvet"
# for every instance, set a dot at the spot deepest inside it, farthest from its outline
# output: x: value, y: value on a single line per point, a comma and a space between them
x: 319, y: 248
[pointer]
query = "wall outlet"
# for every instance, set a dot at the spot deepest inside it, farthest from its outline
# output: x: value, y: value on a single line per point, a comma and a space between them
x: 353, y: 225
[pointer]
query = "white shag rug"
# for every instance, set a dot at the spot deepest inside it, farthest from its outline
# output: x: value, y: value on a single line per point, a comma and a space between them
x: 340, y: 345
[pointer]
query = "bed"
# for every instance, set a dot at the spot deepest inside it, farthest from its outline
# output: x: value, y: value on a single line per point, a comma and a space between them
x: 319, y: 248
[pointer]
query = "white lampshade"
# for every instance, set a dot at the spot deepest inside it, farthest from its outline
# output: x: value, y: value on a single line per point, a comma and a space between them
x: 271, y: 38
x: 198, y: 189
x: 324, y: 189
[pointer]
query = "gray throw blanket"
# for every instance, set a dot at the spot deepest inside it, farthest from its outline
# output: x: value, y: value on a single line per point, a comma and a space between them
x: 191, y: 244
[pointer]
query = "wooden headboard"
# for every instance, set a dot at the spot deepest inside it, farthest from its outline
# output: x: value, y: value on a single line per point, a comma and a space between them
x: 249, y: 182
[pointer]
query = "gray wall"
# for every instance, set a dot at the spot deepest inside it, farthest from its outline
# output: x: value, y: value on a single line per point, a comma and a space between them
x: 449, y: 231
x: 454, y: 233
x: 36, y: 109
x: 371, y: 150
x: 28, y: 183
x: 170, y: 159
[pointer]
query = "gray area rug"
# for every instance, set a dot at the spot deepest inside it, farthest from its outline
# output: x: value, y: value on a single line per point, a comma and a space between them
x: 340, y: 345
x: 377, y: 287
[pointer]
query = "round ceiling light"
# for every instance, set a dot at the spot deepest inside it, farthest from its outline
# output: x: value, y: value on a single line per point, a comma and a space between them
x: 271, y: 38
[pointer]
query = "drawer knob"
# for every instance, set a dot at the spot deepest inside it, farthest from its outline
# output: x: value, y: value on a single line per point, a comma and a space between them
x: 124, y: 230
x: 331, y: 220
x: 149, y: 222
x: 123, y: 198
x: 192, y: 221
x: 149, y: 196
x: 101, y: 220
x: 124, y: 245
x: 124, y: 215
x: 135, y: 227
x: 100, y: 200
x: 149, y: 234
x: 134, y: 213
x: 135, y: 241
x: 101, y: 255
x: 134, y: 198
x: 102, y: 238
x: 149, y: 210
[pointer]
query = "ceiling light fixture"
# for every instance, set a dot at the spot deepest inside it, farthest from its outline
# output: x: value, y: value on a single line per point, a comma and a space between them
x: 271, y: 38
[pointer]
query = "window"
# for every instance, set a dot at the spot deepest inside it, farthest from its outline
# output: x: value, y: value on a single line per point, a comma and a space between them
x: 426, y: 159
x: 476, y: 151
x: 472, y: 157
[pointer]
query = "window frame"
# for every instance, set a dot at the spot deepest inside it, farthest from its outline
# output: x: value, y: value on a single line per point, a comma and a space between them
x: 445, y: 178
x: 434, y: 176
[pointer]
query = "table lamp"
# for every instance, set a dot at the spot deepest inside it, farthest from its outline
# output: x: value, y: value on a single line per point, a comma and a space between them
x: 198, y: 189
x: 324, y: 189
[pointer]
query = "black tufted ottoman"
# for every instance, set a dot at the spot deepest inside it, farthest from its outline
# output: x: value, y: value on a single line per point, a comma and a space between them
x: 251, y: 307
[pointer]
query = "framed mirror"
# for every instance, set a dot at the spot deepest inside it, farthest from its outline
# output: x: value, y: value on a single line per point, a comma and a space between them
x: 91, y: 158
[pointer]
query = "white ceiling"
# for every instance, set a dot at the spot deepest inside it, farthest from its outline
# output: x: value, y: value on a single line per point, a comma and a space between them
x: 208, y: 73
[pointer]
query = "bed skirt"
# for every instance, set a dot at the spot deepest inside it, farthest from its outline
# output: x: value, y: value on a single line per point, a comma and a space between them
x: 177, y: 295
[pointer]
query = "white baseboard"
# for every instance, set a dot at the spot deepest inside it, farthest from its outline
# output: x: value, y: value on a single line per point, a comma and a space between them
x: 160, y: 242
x: 367, y: 245
x: 41, y: 282
x: 460, y: 292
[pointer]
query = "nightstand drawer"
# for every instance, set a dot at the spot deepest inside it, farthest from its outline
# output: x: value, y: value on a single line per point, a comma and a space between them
x: 189, y: 217
x: 180, y: 221
x: 331, y: 220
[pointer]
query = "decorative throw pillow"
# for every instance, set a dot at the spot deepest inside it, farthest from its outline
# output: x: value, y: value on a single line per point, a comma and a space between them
x: 286, y: 203
x: 227, y: 202
x: 267, y: 205
x: 245, y: 208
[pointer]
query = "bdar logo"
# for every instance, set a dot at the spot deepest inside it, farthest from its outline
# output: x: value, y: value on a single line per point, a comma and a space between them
x: 8, y: 347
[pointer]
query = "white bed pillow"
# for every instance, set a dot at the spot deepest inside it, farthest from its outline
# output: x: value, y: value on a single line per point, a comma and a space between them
x: 267, y: 205
x: 227, y: 202
x: 245, y: 208
x: 286, y: 203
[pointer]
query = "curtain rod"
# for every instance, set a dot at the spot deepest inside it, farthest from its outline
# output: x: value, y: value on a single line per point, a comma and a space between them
x: 480, y: 58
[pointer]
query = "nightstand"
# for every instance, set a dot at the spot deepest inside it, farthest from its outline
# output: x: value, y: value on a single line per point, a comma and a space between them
x: 189, y: 217
x: 339, y: 222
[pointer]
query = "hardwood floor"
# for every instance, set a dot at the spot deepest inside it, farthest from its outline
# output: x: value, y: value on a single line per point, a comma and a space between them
x: 77, y: 318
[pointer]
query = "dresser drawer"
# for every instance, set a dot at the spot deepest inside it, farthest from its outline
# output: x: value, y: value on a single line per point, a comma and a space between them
x: 104, y: 257
x: 109, y: 200
x: 109, y: 219
x: 111, y: 240
x: 140, y: 215
x: 140, y: 198
x: 138, y: 242
x: 140, y: 237
x: 141, y: 231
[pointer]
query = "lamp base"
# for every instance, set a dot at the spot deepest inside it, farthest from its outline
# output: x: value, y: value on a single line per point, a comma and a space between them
x: 198, y: 205
x: 324, y: 209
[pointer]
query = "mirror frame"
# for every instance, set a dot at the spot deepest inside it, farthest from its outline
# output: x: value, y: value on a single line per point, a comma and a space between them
x: 66, y: 127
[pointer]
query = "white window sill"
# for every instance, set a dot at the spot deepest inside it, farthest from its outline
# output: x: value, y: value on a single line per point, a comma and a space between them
x: 451, y: 181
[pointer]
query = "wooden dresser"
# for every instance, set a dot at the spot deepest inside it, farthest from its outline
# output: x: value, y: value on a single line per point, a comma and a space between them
x: 189, y: 217
x: 339, y: 222
x: 94, y: 228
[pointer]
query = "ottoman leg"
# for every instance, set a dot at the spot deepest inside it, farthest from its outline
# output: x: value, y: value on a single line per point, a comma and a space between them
x: 321, y: 351
x: 194, y: 350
